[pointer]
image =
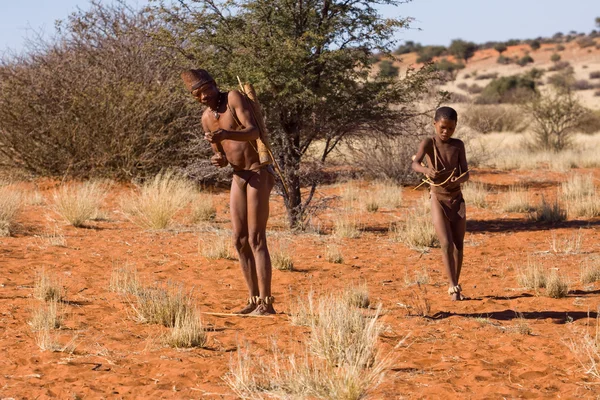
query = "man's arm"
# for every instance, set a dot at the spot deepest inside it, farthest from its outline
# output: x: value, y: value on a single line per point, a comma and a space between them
x: 219, y: 159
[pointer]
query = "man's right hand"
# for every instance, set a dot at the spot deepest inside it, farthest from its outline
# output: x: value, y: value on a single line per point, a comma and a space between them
x: 218, y: 160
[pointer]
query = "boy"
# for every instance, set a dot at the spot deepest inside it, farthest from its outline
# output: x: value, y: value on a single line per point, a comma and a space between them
x: 446, y: 169
x: 232, y: 132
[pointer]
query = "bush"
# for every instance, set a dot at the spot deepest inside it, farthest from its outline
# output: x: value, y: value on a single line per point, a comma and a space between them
x: 491, y: 75
x: 493, y: 118
x: 595, y: 75
x: 586, y: 42
x: 387, y: 69
x: 427, y: 53
x: 559, y: 66
x: 503, y: 60
x: 524, y: 60
x: 534, y: 73
x: 508, y: 89
x: 408, y: 47
x: 555, y: 57
x: 555, y: 116
x: 77, y: 203
x: 581, y: 84
x: 590, y: 123
x: 448, y: 67
x: 500, y: 48
x: 474, y: 89
x: 110, y: 103
x: 462, y: 50
x: 534, y: 44
x: 458, y: 98
x: 560, y: 47
x: 563, y: 80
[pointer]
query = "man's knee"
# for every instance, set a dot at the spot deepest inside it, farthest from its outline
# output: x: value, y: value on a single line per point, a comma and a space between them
x: 257, y: 240
x: 240, y: 241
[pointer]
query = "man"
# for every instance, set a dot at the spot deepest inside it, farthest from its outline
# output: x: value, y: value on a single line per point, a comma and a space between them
x: 230, y: 128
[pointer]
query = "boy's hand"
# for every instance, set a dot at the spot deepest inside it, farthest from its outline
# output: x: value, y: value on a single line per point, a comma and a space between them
x: 431, y: 173
x: 218, y: 160
x: 216, y: 136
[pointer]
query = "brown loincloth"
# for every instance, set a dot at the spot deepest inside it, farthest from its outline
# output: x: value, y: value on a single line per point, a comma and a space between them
x: 451, y: 200
x: 243, y: 176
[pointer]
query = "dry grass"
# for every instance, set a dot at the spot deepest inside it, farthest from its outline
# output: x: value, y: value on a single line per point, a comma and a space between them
x: 334, y: 254
x: 385, y: 194
x: 47, y: 341
x: 77, y: 203
x: 155, y: 203
x: 35, y: 198
x: 340, y: 361
x: 48, y: 287
x: 557, y: 286
x: 203, y: 209
x: 549, y: 212
x: 10, y: 206
x: 417, y: 231
x: 187, y: 331
x: 346, y: 225
x: 589, y: 272
x: 420, y: 277
x: 475, y: 193
x: 124, y: 279
x: 522, y: 326
x: 357, y: 295
x: 587, y: 349
x: 162, y: 304
x: 217, y: 248
x: 281, y: 259
x: 578, y: 185
x: 516, y: 199
x: 54, y: 238
x: 570, y: 244
x: 418, y: 303
x: 584, y: 206
x: 534, y: 276
x: 47, y: 316
x: 302, y: 310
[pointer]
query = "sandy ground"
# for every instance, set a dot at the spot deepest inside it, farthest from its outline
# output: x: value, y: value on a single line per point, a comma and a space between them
x: 470, y: 349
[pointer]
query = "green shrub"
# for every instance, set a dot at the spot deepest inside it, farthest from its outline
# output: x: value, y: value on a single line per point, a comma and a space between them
x: 560, y: 47
x: 408, y: 47
x: 503, y: 60
x: 500, y: 48
x: 535, y: 44
x: 387, y: 69
x: 508, y: 89
x: 586, y: 42
x: 523, y: 61
x: 555, y: 57
x: 427, y: 53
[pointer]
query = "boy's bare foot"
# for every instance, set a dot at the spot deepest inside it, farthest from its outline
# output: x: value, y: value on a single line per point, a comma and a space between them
x: 455, y: 292
x: 265, y: 306
x: 251, y: 306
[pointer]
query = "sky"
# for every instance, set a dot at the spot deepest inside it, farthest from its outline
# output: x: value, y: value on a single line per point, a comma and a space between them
x: 435, y: 21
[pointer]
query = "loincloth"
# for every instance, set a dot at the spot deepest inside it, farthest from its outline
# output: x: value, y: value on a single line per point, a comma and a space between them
x: 451, y: 201
x: 243, y: 176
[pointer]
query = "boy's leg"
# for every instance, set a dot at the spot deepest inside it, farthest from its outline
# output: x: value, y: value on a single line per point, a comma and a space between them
x: 458, y: 235
x: 444, y: 234
x: 258, y: 193
x: 239, y: 223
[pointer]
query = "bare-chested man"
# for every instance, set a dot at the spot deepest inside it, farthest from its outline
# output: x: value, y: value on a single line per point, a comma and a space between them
x: 230, y: 128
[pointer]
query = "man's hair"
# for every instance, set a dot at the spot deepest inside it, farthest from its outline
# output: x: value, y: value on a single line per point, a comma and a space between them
x: 448, y: 113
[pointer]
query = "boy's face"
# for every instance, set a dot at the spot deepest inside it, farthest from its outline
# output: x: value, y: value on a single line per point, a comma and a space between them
x: 444, y: 128
x: 207, y: 94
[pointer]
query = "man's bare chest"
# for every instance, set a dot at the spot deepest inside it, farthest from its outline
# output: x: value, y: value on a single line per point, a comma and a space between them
x: 226, y: 120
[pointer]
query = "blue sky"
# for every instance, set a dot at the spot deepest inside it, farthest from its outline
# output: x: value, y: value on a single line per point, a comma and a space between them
x: 439, y: 21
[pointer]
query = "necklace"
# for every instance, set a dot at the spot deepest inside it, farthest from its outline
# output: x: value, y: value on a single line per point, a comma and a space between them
x: 216, y: 111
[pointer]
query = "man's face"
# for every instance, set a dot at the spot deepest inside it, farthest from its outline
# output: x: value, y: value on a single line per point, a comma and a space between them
x: 444, y: 128
x: 207, y: 94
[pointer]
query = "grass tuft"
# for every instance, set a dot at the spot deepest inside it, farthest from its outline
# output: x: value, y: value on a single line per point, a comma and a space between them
x: 78, y: 203
x: 10, y: 206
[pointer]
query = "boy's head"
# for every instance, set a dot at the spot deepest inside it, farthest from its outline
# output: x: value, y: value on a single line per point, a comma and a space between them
x: 445, y: 122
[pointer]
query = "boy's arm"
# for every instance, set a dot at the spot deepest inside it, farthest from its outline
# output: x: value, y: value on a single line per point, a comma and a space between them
x: 418, y: 158
x: 462, y: 162
x: 242, y: 110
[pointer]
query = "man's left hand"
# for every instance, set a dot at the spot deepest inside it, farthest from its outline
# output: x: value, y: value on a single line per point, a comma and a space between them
x: 216, y: 136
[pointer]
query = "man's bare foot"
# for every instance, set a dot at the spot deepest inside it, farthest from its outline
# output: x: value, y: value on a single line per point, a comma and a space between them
x: 251, y: 306
x: 265, y: 306
x: 455, y: 292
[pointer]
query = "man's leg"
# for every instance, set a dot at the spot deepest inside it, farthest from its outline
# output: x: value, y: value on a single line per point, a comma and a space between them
x: 239, y: 222
x: 258, y: 192
x: 444, y: 234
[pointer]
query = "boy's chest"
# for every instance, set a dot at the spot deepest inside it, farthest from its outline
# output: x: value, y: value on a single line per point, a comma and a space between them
x: 448, y: 154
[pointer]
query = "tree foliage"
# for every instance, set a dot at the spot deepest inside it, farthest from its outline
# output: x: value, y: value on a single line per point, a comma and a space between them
x: 311, y: 63
x: 97, y: 99
x: 462, y: 50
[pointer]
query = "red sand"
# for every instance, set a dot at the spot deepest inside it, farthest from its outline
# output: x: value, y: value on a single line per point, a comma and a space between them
x: 449, y: 355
